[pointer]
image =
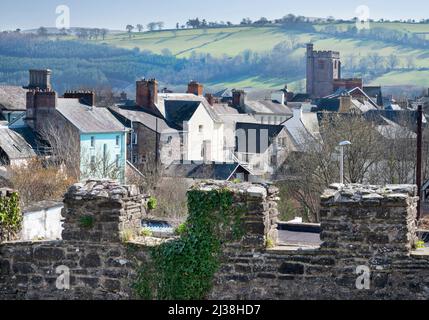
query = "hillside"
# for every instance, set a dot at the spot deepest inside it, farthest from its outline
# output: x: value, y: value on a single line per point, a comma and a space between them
x: 233, y: 41
x: 239, y: 56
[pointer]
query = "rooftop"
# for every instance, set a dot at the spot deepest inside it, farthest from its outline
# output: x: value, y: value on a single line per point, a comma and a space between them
x: 88, y: 119
x: 14, y: 145
x: 12, y: 98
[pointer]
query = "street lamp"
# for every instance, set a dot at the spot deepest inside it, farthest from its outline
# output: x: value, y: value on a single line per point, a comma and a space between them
x: 342, y: 145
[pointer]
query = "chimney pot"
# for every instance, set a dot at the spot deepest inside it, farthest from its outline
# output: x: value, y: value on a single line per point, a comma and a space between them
x: 147, y: 94
x: 195, y: 88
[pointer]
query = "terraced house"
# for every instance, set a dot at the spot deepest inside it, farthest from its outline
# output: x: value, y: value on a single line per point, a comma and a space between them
x: 86, y: 137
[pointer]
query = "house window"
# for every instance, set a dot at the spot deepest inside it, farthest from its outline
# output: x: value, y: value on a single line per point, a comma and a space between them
x: 118, y: 160
x: 92, y: 142
x: 169, y: 139
x: 135, y: 158
x: 201, y: 128
x: 135, y: 138
x: 117, y: 140
x: 92, y: 164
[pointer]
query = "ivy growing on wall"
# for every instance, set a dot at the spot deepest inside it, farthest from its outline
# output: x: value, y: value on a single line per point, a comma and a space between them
x: 10, y: 216
x: 184, y: 269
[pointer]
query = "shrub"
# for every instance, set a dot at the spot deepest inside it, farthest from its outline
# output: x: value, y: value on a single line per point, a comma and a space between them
x: 10, y: 217
x: 183, y: 269
x: 146, y: 232
x: 152, y: 203
x: 87, y: 222
x: 181, y: 229
x: 126, y: 235
x: 269, y: 243
x: 36, y: 182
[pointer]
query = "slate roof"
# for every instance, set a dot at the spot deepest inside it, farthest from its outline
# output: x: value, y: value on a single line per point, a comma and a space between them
x: 223, y: 94
x: 272, y: 130
x: 14, y: 145
x: 224, y: 109
x: 375, y: 93
x: 12, y: 98
x: 140, y: 115
x: 88, y: 119
x: 300, y: 97
x: 201, y: 170
x: 401, y: 117
x: 180, y: 111
x: 29, y: 136
x: 268, y: 107
x: 170, y: 105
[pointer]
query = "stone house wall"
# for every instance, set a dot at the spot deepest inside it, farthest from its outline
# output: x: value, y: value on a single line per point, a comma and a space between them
x: 369, y: 229
x: 100, y: 265
x: 363, y: 228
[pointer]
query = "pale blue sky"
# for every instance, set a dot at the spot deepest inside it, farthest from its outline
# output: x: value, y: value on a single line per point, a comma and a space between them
x: 116, y: 14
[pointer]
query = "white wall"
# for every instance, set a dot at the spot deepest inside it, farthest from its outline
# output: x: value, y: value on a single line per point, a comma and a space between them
x: 44, y: 224
x: 211, y: 131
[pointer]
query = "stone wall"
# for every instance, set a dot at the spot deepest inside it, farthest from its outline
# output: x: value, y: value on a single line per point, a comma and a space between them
x: 369, y: 229
x: 5, y: 234
x: 99, y: 264
x: 364, y: 229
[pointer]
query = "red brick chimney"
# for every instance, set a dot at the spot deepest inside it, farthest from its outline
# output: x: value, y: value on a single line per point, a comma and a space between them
x: 85, y: 97
x: 210, y: 99
x: 38, y: 103
x: 195, y: 88
x: 147, y: 94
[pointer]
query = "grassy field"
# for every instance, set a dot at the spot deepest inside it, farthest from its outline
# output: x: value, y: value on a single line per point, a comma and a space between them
x: 234, y: 40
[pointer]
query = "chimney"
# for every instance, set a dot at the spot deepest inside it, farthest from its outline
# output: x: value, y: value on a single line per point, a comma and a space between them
x: 147, y: 94
x: 345, y: 103
x: 38, y: 103
x: 195, y: 88
x: 85, y: 97
x: 310, y: 49
x: 123, y: 95
x: 238, y: 98
x: 40, y: 79
x: 210, y: 99
x: 278, y: 96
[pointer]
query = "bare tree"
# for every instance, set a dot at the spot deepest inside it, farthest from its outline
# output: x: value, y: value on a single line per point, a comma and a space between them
x: 152, y: 26
x: 311, y: 171
x: 62, y: 143
x: 410, y: 62
x: 140, y: 27
x: 392, y: 62
x: 130, y: 29
x: 104, y: 33
x: 376, y: 61
x: 100, y: 166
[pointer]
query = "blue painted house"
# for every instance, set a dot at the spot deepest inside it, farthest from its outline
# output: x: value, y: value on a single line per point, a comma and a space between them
x: 102, y: 139
x: 88, y: 139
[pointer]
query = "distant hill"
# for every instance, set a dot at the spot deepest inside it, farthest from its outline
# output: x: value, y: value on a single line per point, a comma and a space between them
x: 267, y: 56
x: 233, y: 41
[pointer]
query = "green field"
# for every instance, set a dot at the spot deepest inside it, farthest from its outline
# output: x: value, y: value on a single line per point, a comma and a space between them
x: 234, y: 40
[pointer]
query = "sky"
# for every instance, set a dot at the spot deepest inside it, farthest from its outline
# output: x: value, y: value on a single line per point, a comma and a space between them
x: 115, y: 14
